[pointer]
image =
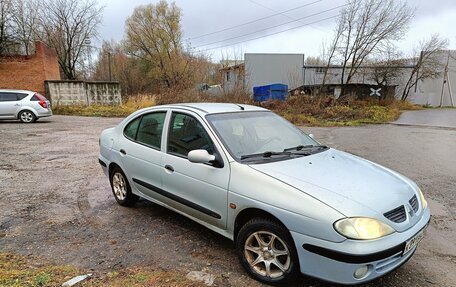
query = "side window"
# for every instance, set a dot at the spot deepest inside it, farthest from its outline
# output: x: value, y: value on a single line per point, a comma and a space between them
x: 150, y: 129
x: 21, y: 96
x: 34, y: 98
x: 131, y: 129
x: 8, y: 97
x: 186, y: 134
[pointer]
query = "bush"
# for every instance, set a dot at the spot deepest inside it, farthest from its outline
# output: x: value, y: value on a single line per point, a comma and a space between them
x: 300, y: 110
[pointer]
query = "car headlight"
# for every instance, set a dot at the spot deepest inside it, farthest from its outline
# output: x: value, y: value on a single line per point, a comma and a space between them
x: 423, y: 200
x: 362, y: 228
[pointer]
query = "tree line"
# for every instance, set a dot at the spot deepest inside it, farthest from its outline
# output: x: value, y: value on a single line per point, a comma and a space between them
x: 152, y: 56
x: 64, y: 25
x: 366, y: 34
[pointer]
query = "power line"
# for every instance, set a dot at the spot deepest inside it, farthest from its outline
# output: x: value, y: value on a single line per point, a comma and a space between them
x: 275, y: 26
x: 253, y: 21
x: 283, y: 14
x: 275, y: 33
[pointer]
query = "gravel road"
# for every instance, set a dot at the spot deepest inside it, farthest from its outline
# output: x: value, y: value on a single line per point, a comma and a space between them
x: 56, y: 203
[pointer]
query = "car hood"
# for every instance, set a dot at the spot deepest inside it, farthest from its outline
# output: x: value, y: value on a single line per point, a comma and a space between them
x: 350, y: 184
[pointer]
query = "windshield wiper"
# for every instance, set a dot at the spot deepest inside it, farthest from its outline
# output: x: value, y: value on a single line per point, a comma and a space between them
x: 299, y: 147
x: 306, y: 150
x: 265, y: 154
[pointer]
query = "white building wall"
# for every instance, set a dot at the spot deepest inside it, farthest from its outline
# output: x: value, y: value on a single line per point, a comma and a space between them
x: 429, y: 91
x: 265, y: 69
x: 231, y: 79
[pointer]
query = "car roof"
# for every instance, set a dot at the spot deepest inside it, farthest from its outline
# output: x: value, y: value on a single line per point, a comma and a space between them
x: 16, y: 91
x: 215, y: 108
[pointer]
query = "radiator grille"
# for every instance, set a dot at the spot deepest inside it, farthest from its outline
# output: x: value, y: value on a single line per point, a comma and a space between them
x: 414, y: 203
x: 396, y: 215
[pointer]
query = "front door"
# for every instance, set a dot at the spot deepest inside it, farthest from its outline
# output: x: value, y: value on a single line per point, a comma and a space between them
x: 199, y: 190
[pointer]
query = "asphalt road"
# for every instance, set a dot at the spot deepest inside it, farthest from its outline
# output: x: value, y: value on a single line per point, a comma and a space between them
x: 445, y: 118
x: 56, y: 203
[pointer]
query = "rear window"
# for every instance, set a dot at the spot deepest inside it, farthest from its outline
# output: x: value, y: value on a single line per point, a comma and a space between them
x: 131, y: 129
x: 37, y: 97
x: 9, y: 97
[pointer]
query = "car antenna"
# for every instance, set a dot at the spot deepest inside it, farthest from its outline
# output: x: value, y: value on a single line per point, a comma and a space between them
x: 241, y: 107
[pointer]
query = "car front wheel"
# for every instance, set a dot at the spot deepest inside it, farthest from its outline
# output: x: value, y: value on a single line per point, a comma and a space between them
x: 266, y: 250
x: 121, y: 188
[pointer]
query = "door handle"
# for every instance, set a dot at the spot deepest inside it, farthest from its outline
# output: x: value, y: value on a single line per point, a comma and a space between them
x: 170, y: 168
x: 122, y: 151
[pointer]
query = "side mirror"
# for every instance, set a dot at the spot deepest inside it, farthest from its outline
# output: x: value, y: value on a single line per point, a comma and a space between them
x: 312, y: 136
x: 200, y: 156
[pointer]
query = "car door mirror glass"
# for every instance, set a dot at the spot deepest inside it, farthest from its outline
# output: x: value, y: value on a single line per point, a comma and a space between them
x: 200, y: 156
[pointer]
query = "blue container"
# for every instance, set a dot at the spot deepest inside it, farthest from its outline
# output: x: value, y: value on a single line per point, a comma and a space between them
x: 270, y: 92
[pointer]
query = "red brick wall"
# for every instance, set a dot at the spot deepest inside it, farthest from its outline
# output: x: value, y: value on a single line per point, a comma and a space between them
x: 29, y: 72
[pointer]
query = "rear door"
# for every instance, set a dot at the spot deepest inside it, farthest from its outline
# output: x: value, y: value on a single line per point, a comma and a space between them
x: 140, y: 151
x: 10, y: 104
x: 200, y: 190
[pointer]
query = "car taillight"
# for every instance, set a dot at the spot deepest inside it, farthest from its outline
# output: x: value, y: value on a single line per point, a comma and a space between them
x: 42, y: 101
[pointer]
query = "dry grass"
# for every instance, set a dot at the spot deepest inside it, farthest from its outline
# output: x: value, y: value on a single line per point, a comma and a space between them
x: 18, y: 271
x: 129, y: 106
x: 300, y: 110
x: 326, y: 111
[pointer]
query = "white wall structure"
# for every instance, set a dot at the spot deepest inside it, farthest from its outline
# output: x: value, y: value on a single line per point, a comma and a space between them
x: 261, y: 69
x: 63, y: 93
x: 265, y: 69
x: 233, y: 77
x: 440, y: 91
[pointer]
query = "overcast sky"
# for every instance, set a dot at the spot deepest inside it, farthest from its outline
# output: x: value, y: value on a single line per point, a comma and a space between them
x: 305, y: 34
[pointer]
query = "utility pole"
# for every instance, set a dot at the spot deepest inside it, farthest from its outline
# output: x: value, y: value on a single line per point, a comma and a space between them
x: 109, y: 66
x: 418, y: 71
x: 445, y: 76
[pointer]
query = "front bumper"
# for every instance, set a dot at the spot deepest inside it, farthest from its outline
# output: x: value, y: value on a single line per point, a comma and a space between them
x: 337, y: 262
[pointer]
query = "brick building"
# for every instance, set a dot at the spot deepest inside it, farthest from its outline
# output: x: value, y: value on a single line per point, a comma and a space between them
x: 29, y: 72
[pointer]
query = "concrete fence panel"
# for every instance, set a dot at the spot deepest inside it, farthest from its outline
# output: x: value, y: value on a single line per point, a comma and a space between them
x: 64, y: 93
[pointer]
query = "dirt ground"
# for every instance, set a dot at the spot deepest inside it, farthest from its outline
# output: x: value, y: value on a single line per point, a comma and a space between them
x: 57, y: 204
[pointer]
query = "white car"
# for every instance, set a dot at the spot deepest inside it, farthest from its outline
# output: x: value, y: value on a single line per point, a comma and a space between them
x: 289, y: 203
x: 26, y: 106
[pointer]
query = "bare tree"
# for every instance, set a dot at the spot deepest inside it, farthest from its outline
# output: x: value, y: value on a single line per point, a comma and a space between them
x: 332, y: 50
x: 65, y: 25
x: 25, y: 18
x: 6, y: 31
x: 365, y: 27
x: 388, y: 67
x: 426, y: 61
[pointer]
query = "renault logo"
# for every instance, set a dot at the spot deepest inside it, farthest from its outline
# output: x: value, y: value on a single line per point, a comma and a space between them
x: 409, y: 210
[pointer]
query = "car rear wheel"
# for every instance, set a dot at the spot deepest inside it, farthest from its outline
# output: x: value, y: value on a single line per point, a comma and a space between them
x: 267, y: 252
x: 121, y: 188
x: 27, y: 117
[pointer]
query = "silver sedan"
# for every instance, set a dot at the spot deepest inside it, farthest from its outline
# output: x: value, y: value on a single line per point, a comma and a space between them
x: 290, y: 204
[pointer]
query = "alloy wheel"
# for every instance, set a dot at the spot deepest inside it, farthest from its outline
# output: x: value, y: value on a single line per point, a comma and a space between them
x: 119, y: 186
x: 267, y: 254
x: 27, y: 117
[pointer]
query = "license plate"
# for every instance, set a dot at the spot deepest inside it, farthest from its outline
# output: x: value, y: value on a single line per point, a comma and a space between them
x: 413, y: 242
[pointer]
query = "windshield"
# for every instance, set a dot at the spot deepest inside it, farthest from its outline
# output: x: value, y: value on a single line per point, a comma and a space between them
x: 265, y: 134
